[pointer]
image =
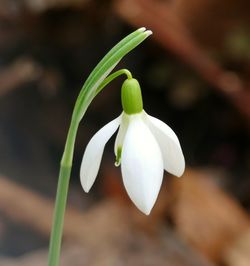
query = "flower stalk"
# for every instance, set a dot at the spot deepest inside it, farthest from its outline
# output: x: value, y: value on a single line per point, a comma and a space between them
x: 64, y: 178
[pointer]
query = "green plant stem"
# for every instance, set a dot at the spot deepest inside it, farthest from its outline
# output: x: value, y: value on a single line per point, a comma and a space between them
x: 64, y: 176
x: 112, y: 77
x: 61, y: 197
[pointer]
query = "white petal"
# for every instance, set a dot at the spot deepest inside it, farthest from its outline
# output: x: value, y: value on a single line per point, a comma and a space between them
x: 93, y: 153
x: 173, y: 158
x: 141, y: 165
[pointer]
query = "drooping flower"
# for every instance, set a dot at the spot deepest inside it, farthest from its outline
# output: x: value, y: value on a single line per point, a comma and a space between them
x: 144, y: 147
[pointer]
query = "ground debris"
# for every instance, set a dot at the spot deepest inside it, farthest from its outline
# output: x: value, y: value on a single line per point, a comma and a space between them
x: 104, y: 235
x: 207, y: 217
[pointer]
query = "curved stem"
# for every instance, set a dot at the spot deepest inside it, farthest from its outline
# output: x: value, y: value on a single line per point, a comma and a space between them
x: 64, y: 176
x: 111, y: 77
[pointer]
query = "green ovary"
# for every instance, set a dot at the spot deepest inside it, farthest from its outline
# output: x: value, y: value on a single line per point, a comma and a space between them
x: 131, y: 97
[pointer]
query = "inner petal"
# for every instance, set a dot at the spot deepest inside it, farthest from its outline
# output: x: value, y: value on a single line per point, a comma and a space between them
x: 120, y: 137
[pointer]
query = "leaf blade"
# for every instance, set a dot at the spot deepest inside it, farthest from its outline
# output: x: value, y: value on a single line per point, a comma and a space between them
x: 104, y: 67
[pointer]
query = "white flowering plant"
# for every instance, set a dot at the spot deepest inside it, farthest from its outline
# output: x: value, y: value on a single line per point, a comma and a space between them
x: 144, y: 146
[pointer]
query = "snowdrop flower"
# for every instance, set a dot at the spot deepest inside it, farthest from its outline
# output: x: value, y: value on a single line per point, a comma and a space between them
x: 144, y: 147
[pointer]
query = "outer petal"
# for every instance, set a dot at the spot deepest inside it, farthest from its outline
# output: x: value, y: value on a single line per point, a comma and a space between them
x: 173, y: 158
x: 93, y: 153
x: 141, y: 165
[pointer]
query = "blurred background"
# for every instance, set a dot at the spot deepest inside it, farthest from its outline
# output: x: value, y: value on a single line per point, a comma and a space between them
x: 195, y: 76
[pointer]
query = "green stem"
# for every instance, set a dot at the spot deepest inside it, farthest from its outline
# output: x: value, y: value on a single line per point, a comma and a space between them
x: 61, y: 197
x: 111, y: 77
x: 64, y: 176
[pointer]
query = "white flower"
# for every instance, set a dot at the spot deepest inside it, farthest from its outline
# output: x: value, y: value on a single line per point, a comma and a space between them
x: 145, y: 147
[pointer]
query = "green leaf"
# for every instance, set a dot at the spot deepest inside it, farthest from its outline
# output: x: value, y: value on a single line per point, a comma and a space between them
x: 103, y: 69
